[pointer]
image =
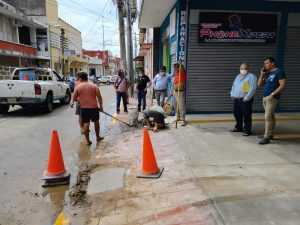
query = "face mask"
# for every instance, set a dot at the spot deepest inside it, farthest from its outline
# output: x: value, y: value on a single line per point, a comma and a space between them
x: 243, y: 72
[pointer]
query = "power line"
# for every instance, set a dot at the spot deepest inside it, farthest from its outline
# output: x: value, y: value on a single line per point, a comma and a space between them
x: 99, y: 15
x: 79, y: 12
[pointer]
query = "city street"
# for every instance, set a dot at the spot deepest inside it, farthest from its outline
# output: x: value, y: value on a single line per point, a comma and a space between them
x: 25, y: 138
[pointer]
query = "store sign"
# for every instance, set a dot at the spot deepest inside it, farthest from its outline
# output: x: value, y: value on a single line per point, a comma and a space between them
x: 70, y: 53
x: 182, y: 36
x: 219, y: 27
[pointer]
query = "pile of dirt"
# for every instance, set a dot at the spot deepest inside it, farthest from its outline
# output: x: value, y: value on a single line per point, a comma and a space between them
x: 78, y: 195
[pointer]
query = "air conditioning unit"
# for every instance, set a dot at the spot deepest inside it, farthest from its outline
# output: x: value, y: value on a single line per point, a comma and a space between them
x: 16, y: 23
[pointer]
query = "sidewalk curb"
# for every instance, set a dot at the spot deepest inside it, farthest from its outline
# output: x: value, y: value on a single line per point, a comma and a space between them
x: 233, y: 120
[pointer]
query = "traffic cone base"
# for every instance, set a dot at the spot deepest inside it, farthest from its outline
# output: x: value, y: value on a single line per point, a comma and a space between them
x: 57, y: 180
x: 155, y: 175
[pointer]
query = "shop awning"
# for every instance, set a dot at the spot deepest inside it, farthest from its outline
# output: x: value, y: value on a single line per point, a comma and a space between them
x: 153, y: 12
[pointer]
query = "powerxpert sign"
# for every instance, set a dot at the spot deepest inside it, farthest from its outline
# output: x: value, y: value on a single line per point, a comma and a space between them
x: 219, y: 27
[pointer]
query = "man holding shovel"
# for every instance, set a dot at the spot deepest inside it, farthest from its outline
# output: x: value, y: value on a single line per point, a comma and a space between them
x: 91, y: 105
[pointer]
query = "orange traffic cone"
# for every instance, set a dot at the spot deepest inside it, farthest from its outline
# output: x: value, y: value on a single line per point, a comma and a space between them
x: 56, y: 173
x: 149, y: 165
x: 25, y: 77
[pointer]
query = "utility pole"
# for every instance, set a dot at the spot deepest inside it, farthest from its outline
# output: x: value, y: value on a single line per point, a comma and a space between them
x: 122, y: 35
x: 103, y: 63
x: 63, y: 50
x: 135, y: 45
x: 129, y: 45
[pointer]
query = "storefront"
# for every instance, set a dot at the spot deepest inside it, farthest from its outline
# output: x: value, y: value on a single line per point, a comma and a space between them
x: 213, y: 38
x: 220, y: 40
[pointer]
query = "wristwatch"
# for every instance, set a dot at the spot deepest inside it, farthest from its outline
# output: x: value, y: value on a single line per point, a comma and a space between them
x: 272, y: 94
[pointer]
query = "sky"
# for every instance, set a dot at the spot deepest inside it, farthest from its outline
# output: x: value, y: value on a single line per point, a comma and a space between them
x: 88, y: 16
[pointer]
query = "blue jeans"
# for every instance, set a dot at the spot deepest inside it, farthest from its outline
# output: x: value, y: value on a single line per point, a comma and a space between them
x: 124, y: 98
x: 141, y: 99
x: 243, y: 113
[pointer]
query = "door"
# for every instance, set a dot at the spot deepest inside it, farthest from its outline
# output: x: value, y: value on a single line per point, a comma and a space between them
x: 59, y: 92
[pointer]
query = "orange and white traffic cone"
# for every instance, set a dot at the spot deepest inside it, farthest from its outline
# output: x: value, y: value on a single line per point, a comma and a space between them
x: 25, y: 77
x: 149, y: 165
x: 56, y: 173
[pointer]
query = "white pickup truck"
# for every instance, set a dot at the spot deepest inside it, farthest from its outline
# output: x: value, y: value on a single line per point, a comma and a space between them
x: 33, y: 86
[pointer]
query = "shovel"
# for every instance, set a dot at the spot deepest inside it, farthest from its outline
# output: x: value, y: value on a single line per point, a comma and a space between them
x: 129, y: 125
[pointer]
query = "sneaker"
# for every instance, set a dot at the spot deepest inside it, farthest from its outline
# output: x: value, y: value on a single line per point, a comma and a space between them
x: 118, y: 112
x: 271, y: 137
x: 126, y: 111
x: 247, y: 134
x: 236, y: 130
x: 183, y: 123
x: 264, y: 141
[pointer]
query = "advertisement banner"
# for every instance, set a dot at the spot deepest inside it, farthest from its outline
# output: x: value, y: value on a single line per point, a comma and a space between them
x: 220, y: 27
x: 42, y: 43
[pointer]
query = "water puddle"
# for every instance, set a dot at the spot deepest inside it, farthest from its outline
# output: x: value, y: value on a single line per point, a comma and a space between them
x: 106, y: 180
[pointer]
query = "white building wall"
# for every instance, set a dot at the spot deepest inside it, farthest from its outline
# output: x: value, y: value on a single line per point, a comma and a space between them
x: 6, y: 29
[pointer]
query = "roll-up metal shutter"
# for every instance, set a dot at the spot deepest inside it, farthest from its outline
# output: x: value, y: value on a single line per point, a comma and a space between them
x: 290, y: 99
x: 211, y: 69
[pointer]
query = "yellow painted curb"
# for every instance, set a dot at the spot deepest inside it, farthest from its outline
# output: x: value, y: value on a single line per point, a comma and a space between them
x: 61, y: 220
x: 233, y: 120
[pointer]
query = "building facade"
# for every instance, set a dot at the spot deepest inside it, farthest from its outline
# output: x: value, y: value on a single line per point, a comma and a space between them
x: 213, y: 38
x: 18, y: 38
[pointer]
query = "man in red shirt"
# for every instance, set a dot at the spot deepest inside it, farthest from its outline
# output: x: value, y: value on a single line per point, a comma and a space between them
x: 179, y: 92
x: 90, y: 103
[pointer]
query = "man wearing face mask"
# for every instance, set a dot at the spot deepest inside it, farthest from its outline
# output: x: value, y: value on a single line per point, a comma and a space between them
x: 160, y: 85
x: 242, y: 91
x: 142, y: 85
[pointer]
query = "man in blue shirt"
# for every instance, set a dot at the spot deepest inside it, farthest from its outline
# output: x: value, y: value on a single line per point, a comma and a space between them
x: 242, y: 91
x: 273, y: 81
x: 160, y: 85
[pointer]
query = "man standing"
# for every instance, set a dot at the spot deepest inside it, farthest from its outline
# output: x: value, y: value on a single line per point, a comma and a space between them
x: 121, y: 86
x: 179, y: 92
x: 273, y: 81
x: 142, y: 85
x: 242, y: 91
x: 160, y: 85
x: 91, y: 104
x: 78, y: 109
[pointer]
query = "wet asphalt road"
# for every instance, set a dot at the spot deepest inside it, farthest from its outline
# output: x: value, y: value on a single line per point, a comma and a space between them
x: 24, y: 147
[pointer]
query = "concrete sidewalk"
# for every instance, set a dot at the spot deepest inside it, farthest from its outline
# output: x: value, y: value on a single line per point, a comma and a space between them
x: 212, y: 176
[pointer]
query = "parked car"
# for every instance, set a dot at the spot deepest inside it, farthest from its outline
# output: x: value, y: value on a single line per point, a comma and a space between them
x: 113, y: 78
x: 71, y: 82
x: 105, y: 80
x: 93, y: 79
x: 33, y: 86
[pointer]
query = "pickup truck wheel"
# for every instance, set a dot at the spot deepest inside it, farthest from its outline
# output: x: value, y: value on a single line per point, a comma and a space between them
x: 67, y: 99
x: 48, y: 107
x: 4, y: 109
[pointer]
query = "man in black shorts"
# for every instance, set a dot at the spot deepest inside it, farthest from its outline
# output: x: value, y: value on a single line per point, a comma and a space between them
x: 91, y: 104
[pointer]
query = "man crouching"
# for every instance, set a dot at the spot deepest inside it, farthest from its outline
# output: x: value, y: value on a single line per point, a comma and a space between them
x: 155, y: 118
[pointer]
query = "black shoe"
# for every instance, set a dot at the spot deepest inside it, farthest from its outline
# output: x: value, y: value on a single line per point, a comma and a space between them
x: 264, y: 141
x: 236, y: 130
x: 247, y: 134
x: 126, y: 111
x: 118, y: 112
x: 271, y: 137
x: 139, y: 110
